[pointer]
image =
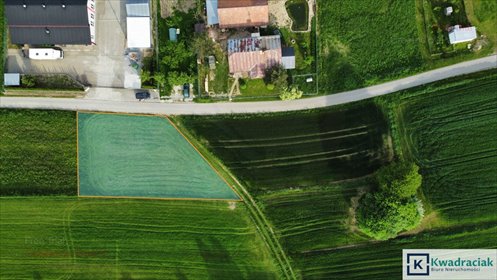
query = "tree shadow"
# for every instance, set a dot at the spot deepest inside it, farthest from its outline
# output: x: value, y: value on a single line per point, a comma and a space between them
x: 217, y: 259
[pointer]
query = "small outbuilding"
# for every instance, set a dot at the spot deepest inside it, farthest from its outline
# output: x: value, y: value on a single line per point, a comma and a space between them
x: 461, y: 35
x: 173, y: 36
x: 288, y: 58
x: 448, y: 11
x: 11, y: 79
x: 138, y: 31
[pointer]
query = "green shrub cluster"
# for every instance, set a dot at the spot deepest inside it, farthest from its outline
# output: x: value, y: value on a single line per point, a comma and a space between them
x: 394, y: 207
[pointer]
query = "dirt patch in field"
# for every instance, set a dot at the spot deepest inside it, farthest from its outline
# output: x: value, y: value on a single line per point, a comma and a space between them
x: 354, y: 203
x: 167, y: 7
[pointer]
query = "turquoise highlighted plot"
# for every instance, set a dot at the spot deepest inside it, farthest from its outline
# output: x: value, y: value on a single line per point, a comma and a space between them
x: 142, y: 156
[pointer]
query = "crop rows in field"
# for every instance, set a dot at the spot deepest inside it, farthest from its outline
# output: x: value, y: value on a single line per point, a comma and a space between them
x: 269, y: 152
x: 364, y: 42
x: 313, y: 218
x: 451, y: 134
x: 37, y: 152
x: 49, y: 238
x: 383, y: 260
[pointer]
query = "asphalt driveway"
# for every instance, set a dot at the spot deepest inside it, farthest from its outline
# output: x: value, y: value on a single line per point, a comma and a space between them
x: 101, y: 65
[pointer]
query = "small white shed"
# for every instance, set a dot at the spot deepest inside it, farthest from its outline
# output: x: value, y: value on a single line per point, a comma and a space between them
x: 138, y: 30
x: 11, y: 79
x: 461, y: 35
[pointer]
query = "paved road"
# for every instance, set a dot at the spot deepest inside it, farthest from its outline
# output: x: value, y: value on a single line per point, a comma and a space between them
x: 250, y: 107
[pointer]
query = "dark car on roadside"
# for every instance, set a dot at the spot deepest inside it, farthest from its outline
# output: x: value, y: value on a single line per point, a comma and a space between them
x: 142, y: 95
x: 186, y: 90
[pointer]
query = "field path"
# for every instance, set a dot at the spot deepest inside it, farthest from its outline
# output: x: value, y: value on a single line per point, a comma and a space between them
x: 72, y: 104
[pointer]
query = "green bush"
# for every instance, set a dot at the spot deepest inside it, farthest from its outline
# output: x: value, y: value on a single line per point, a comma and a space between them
x: 28, y: 81
x: 399, y: 179
x: 382, y: 216
x: 276, y: 75
x: 394, y: 207
x: 270, y: 86
x: 291, y: 94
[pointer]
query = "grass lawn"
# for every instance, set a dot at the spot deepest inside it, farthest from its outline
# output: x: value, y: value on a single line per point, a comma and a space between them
x: 142, y: 156
x: 277, y: 151
x: 52, y: 238
x: 3, y: 44
x: 365, y: 42
x: 483, y: 15
x: 256, y: 88
x: 37, y: 152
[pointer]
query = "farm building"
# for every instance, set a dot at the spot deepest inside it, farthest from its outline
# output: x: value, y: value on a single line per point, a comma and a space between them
x: 461, y: 35
x: 288, y: 58
x: 138, y: 23
x: 138, y: 31
x: 239, y: 13
x: 251, y: 56
x: 35, y: 22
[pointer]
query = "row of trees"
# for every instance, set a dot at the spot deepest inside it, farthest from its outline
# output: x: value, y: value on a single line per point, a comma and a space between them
x: 394, y: 206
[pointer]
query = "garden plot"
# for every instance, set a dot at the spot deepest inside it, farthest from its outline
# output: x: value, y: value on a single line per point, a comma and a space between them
x: 142, y: 156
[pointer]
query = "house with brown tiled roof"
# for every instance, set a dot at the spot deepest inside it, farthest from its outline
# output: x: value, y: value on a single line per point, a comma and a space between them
x: 242, y: 13
x: 250, y: 57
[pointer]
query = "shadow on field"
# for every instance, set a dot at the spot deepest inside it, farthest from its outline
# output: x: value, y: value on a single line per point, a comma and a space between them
x: 217, y: 258
x: 220, y: 264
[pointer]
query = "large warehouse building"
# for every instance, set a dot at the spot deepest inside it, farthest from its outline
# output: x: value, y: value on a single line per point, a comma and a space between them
x: 41, y: 22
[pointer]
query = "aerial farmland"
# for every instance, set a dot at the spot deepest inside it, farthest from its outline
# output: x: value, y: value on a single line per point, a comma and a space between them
x: 248, y: 139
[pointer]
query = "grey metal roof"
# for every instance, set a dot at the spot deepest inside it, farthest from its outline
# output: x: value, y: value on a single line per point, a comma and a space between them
x: 212, y: 15
x: 137, y: 8
x: 60, y: 36
x: 67, y: 25
x: 287, y: 51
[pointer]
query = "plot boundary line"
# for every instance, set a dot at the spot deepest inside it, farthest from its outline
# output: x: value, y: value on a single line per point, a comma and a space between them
x: 77, y: 147
x: 162, y: 198
x: 212, y: 167
x: 152, y: 198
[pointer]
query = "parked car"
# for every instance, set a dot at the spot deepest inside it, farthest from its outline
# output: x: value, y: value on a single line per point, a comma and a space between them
x: 186, y: 90
x: 142, y: 95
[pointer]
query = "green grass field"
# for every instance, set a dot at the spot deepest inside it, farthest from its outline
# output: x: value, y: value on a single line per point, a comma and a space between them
x: 383, y: 260
x: 70, y: 238
x: 365, y: 42
x: 278, y: 151
x: 451, y: 133
x: 142, y: 156
x: 483, y: 14
x: 448, y: 128
x: 3, y: 44
x: 37, y: 152
x: 313, y: 218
